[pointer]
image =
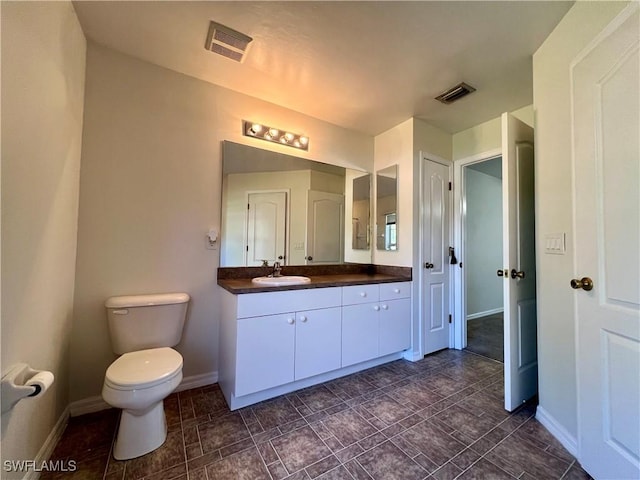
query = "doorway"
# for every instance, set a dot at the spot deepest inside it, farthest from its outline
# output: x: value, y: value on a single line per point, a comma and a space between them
x: 482, y: 235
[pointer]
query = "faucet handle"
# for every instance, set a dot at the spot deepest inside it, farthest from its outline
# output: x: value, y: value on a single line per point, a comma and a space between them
x: 265, y: 263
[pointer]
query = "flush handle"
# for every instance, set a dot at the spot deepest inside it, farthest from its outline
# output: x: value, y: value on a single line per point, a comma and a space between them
x: 123, y: 311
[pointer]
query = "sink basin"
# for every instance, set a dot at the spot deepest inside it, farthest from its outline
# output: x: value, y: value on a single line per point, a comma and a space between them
x: 280, y: 281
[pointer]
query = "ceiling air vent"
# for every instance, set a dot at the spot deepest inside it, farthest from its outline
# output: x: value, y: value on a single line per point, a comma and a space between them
x: 227, y: 42
x: 455, y: 93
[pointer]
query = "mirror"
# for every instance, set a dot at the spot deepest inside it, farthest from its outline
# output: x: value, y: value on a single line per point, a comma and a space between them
x: 387, y: 208
x: 277, y: 207
x: 361, y: 212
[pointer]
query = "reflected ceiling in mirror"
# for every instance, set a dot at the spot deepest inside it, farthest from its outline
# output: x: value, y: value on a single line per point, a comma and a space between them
x: 277, y: 207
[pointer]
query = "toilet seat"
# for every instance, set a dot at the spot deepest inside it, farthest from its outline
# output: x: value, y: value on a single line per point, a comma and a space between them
x: 143, y: 369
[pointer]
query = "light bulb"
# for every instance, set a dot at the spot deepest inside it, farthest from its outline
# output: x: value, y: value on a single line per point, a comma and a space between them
x: 267, y: 136
x: 288, y: 136
x: 256, y: 128
x: 283, y: 139
x: 296, y: 144
x: 304, y: 140
x: 274, y: 132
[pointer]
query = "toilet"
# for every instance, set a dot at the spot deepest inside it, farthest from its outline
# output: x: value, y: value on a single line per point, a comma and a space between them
x: 143, y: 328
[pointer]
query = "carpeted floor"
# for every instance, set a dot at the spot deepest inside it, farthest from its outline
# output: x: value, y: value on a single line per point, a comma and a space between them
x: 485, y: 336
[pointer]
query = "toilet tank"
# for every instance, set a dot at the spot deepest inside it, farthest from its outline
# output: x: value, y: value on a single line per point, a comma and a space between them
x: 138, y: 322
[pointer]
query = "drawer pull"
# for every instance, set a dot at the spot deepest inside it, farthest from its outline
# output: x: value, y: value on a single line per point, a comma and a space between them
x: 363, y: 294
x: 396, y: 290
x: 376, y: 307
x: 290, y: 321
x: 303, y: 318
x: 385, y: 307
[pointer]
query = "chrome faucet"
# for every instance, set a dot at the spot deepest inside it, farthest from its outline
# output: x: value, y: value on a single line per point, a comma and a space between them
x: 276, y: 269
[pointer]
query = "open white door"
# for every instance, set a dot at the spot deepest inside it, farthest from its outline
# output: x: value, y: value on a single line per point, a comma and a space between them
x: 325, y: 227
x: 266, y: 224
x: 519, y: 260
x: 436, y: 271
x: 606, y: 156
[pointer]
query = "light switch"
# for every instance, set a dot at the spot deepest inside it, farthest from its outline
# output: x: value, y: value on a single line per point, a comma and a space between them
x: 554, y: 243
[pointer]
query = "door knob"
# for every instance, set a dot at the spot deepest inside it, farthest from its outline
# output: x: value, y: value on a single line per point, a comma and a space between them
x: 516, y: 274
x: 309, y: 258
x: 585, y: 283
x: 428, y: 265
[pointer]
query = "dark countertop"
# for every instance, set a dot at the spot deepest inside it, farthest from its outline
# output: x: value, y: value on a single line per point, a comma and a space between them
x: 334, y: 279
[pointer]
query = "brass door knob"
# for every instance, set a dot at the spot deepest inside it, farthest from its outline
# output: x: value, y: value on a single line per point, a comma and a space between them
x: 585, y: 283
x: 516, y: 274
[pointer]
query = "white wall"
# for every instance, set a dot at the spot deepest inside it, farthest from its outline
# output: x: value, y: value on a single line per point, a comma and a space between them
x: 483, y: 242
x: 43, y: 67
x: 150, y: 190
x: 551, y: 100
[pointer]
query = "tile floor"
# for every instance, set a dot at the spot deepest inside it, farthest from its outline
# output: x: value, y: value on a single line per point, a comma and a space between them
x: 439, y: 418
x: 485, y: 336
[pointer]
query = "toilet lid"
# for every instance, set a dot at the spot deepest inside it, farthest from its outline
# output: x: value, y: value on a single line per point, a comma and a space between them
x: 144, y: 368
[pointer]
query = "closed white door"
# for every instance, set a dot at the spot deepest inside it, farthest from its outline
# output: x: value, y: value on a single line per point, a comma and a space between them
x: 606, y: 155
x: 266, y: 227
x: 519, y: 260
x: 325, y: 227
x: 436, y: 271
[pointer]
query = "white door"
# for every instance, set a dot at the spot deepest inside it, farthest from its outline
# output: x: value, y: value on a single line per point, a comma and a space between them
x: 266, y: 227
x: 436, y: 271
x: 519, y: 260
x: 325, y: 227
x: 606, y: 154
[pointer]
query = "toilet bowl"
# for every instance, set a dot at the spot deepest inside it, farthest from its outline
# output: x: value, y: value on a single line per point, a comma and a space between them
x: 138, y: 382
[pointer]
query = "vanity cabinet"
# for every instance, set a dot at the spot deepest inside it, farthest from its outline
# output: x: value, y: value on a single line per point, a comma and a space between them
x: 376, y: 321
x: 276, y: 342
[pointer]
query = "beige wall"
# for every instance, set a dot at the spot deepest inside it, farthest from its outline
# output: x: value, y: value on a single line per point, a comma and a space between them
x: 486, y: 136
x: 150, y: 190
x: 551, y: 100
x: 43, y: 66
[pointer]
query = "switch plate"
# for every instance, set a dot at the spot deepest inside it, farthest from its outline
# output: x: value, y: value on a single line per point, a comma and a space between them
x: 555, y: 243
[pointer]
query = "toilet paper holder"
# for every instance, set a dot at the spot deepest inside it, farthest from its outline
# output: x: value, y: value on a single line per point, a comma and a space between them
x: 22, y: 381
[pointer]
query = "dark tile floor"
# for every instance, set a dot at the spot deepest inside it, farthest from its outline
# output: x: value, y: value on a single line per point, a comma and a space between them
x: 439, y: 418
x: 485, y: 336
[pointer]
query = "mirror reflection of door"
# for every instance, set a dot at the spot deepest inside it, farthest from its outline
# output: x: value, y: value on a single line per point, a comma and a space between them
x: 325, y: 227
x: 387, y: 208
x: 361, y: 212
x: 266, y: 227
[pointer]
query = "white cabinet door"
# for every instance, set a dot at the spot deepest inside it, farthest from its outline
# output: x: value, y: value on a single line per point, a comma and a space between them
x: 265, y: 353
x: 359, y: 333
x: 318, y: 347
x: 395, y: 326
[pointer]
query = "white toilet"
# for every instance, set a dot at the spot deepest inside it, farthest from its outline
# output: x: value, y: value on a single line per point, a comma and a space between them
x: 142, y: 329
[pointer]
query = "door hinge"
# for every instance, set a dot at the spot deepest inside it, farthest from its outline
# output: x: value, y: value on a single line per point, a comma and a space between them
x: 248, y: 206
x: 450, y: 319
x: 247, y: 248
x: 450, y: 186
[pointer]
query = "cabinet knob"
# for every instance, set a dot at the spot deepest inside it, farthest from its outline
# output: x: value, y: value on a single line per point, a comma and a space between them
x: 396, y: 290
x: 363, y: 294
x: 376, y: 307
x: 290, y: 321
x: 385, y: 307
x: 303, y: 318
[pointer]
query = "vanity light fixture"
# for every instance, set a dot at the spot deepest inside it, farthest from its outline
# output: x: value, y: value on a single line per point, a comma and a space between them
x: 271, y: 134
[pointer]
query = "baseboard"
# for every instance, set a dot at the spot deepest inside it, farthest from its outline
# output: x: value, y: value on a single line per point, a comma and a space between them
x: 196, y: 381
x: 567, y: 440
x: 486, y: 313
x: 412, y: 355
x: 49, y: 445
x: 96, y: 404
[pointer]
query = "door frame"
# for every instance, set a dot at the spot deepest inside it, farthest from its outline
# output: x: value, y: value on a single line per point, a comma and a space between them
x: 459, y: 311
x: 287, y: 209
x: 418, y: 283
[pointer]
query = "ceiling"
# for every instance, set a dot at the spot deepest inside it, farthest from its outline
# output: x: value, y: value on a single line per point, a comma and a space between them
x: 366, y: 66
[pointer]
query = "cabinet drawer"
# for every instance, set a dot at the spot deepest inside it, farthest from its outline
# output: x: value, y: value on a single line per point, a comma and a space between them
x: 391, y: 291
x: 269, y: 303
x: 355, y: 294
